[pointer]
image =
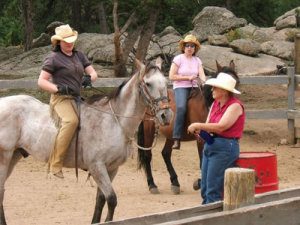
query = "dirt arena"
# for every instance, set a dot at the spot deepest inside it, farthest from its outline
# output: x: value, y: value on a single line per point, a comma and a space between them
x: 32, y: 199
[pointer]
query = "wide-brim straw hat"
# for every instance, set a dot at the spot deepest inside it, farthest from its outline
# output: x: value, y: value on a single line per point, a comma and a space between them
x: 64, y: 33
x: 189, y: 39
x: 224, y: 81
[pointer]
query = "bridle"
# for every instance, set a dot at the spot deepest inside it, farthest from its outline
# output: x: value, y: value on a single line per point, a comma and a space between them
x: 154, y: 104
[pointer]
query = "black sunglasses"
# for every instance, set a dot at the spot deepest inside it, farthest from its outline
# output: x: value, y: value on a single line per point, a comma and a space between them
x: 189, y: 45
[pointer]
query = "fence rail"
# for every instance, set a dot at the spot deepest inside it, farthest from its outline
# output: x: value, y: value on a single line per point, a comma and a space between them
x: 250, y: 80
x: 291, y: 80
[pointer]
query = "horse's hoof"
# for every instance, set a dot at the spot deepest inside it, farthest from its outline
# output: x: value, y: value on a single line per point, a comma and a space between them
x: 196, y: 184
x: 175, y: 189
x: 154, y: 190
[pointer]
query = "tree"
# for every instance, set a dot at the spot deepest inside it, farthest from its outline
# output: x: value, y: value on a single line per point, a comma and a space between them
x: 76, y: 15
x: 141, y: 24
x: 104, y: 29
x: 148, y: 29
x: 28, y: 23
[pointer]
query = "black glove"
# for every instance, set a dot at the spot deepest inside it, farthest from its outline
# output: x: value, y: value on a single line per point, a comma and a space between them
x: 64, y: 90
x: 86, y: 81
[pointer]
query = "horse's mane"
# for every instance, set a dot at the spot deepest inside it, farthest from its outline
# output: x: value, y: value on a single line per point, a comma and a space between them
x: 116, y: 92
x: 108, y: 96
x: 150, y: 66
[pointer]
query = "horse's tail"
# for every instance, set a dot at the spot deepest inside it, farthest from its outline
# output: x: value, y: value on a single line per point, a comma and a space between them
x: 141, y: 153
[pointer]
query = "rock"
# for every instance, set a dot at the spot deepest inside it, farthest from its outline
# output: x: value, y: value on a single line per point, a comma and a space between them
x: 91, y: 41
x: 219, y: 40
x: 245, y: 65
x: 283, y: 141
x: 246, y: 47
x: 247, y: 31
x: 286, y: 19
x: 169, y: 30
x: 8, y: 52
x: 43, y: 40
x: 215, y: 20
x: 281, y: 49
x: 51, y: 27
x: 289, y: 21
x: 27, y: 64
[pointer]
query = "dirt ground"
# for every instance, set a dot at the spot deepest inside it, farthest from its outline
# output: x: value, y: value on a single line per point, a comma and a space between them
x: 31, y: 199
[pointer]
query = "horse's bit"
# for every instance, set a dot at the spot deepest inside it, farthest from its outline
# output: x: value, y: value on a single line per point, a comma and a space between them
x: 154, y: 104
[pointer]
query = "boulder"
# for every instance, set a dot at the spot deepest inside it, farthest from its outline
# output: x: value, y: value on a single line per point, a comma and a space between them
x: 245, y: 65
x: 288, y: 19
x: 8, y: 52
x: 281, y: 49
x: 215, y: 20
x: 246, y: 47
x: 218, y: 39
x: 43, y: 40
x: 28, y: 64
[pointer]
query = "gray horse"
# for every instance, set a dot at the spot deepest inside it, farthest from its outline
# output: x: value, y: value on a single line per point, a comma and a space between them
x: 108, y: 126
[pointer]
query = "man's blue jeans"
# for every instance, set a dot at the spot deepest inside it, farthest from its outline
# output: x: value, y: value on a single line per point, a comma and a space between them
x: 217, y: 157
x: 181, y: 97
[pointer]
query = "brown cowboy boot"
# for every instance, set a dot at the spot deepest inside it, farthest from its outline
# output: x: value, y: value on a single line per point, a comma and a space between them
x: 176, y: 144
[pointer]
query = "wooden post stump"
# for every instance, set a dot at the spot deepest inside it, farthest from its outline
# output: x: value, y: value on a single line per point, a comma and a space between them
x: 239, y: 188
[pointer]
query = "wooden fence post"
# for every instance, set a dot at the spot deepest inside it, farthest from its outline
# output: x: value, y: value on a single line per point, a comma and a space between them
x: 291, y: 104
x: 297, y: 54
x: 239, y: 188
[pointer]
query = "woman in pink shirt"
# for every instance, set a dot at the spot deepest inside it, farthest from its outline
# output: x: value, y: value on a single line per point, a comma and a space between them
x: 184, y: 71
x: 222, y: 131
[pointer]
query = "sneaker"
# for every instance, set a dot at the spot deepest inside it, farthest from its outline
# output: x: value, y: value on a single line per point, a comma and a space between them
x: 59, y: 175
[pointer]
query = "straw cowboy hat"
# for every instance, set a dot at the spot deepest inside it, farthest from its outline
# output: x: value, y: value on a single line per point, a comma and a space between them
x: 64, y: 33
x: 189, y: 39
x: 224, y: 81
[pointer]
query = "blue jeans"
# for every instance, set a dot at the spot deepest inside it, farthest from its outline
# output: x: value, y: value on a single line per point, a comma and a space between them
x: 217, y: 157
x: 181, y: 97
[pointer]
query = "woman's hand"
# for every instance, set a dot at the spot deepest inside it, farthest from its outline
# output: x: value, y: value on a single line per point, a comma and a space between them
x: 192, y: 77
x: 194, y: 128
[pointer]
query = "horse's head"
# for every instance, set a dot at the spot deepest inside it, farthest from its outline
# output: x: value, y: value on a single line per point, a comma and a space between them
x: 153, y: 90
x: 225, y: 69
x: 228, y: 69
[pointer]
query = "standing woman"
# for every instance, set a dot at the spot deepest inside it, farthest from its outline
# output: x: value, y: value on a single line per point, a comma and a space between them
x: 225, y: 123
x: 62, y: 75
x: 184, y: 71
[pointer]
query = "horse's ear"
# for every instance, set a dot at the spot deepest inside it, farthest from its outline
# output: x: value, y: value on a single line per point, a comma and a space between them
x: 232, y: 65
x: 158, y: 62
x: 219, y: 67
x: 141, y: 68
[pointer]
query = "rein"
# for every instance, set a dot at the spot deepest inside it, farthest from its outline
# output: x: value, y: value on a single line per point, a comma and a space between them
x: 131, y: 139
x: 154, y: 104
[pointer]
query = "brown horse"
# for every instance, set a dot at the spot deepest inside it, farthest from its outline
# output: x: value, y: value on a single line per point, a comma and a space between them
x: 197, y: 111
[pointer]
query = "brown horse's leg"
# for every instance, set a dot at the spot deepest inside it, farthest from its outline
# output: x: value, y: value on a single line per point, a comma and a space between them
x: 167, y: 153
x: 100, y: 202
x: 197, y: 182
x: 148, y: 170
x: 145, y: 139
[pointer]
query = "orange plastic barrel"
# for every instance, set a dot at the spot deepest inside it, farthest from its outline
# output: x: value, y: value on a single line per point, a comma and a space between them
x: 265, y: 167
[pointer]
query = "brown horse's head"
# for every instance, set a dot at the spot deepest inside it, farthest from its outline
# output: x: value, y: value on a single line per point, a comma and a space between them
x: 230, y: 69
